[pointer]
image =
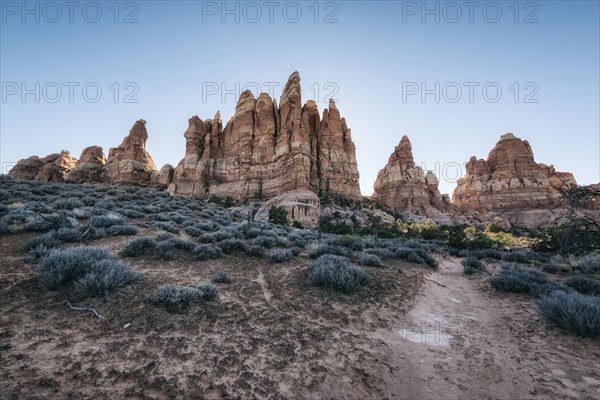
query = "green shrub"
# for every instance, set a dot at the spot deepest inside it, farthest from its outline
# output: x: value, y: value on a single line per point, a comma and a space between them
x: 256, y: 251
x: 322, y: 249
x: 516, y: 279
x: 175, y: 298
x: 588, y: 263
x: 573, y: 312
x: 337, y: 273
x: 370, y: 260
x: 208, y: 292
x: 103, y: 277
x: 230, y: 246
x: 281, y: 255
x: 222, y: 277
x: 95, y: 271
x: 584, y: 285
x: 138, y: 247
x: 472, y: 265
x: 206, y: 252
x: 278, y: 215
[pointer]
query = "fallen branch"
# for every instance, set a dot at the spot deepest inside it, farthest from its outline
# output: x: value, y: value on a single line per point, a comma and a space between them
x: 83, y: 309
x: 431, y: 280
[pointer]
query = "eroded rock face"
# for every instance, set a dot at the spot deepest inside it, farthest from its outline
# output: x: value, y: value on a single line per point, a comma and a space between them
x: 302, y: 206
x: 510, y: 179
x: 130, y: 163
x: 403, y: 187
x: 90, y: 167
x: 266, y: 150
x: 51, y: 168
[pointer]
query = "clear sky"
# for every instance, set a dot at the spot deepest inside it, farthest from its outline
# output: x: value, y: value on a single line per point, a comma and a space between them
x: 386, y: 61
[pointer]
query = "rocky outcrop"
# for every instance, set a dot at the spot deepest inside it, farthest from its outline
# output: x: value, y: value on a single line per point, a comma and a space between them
x: 511, y: 185
x: 51, y: 168
x: 510, y: 179
x: 266, y: 150
x: 130, y: 163
x: 90, y: 167
x: 404, y: 188
x: 301, y: 206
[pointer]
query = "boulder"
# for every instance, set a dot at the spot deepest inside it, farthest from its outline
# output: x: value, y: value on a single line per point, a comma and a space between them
x: 301, y: 206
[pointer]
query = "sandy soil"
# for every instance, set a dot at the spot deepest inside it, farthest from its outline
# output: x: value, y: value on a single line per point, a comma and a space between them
x: 273, y: 336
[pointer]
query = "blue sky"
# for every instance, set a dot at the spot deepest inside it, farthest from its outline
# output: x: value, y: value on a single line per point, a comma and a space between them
x: 377, y: 56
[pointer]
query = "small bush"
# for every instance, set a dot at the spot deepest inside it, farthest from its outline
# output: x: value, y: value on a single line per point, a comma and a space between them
x: 370, y: 260
x: 122, y: 230
x: 68, y: 204
x: 518, y: 256
x: 281, y: 255
x: 47, y: 240
x: 574, y: 312
x: 350, y: 242
x: 175, y: 298
x: 278, y: 215
x: 269, y: 242
x: 584, y: 285
x: 208, y: 292
x: 106, y: 221
x: 331, y: 249
x: 524, y: 280
x: 138, y: 247
x: 492, y: 254
x: 95, y: 271
x: 338, y: 273
x: 472, y: 265
x: 256, y: 251
x: 206, y: 252
x: 589, y: 263
x: 105, y: 276
x: 551, y: 268
x: 230, y: 246
x: 222, y: 277
x: 68, y: 235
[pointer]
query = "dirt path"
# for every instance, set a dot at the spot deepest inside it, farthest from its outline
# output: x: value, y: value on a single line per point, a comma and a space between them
x: 464, y: 340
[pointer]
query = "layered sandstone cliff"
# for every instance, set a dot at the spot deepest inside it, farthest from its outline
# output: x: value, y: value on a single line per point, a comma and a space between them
x: 403, y: 187
x: 510, y: 188
x: 511, y: 179
x: 266, y: 150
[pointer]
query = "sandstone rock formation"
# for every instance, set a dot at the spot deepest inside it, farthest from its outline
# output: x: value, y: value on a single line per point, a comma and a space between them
x: 402, y: 187
x: 511, y: 185
x: 302, y: 206
x: 130, y: 163
x: 511, y: 179
x: 51, y: 168
x: 266, y: 150
x: 90, y: 167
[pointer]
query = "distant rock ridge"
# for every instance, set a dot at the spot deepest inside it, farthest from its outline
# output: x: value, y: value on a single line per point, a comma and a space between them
x: 266, y: 150
x: 403, y: 187
x: 290, y: 153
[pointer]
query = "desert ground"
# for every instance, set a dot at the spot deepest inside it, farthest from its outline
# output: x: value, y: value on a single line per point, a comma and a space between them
x: 274, y: 336
x: 420, y: 329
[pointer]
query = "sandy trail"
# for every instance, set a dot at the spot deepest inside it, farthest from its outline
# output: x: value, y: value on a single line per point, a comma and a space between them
x: 464, y: 340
